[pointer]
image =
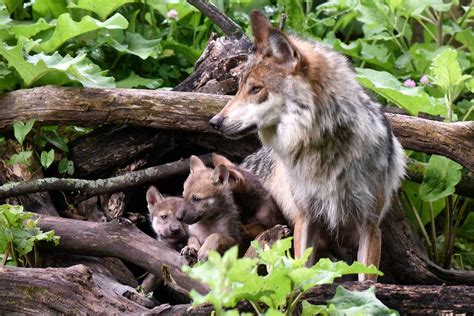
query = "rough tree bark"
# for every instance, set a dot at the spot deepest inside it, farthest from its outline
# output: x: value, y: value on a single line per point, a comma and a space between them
x: 123, y: 240
x: 192, y: 111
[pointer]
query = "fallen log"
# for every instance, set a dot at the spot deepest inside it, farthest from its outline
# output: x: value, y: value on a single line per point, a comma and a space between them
x: 123, y: 240
x: 100, y: 186
x: 61, y: 291
x: 406, y: 299
x: 191, y: 111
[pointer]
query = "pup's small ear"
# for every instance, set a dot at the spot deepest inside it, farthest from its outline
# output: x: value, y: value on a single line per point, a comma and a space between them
x: 261, y: 27
x: 236, y: 179
x: 196, y: 164
x: 220, y: 160
x: 153, y: 196
x: 221, y: 175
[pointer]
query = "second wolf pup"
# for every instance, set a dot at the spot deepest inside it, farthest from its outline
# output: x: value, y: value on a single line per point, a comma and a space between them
x: 215, y: 221
x: 258, y: 210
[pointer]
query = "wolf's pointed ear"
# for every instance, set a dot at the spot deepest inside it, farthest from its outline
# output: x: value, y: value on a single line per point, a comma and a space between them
x: 153, y: 196
x: 282, y: 49
x: 196, y: 164
x: 221, y: 175
x: 220, y: 160
x: 260, y: 29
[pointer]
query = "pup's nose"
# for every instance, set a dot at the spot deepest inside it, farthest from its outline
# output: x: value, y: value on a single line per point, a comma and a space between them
x: 216, y: 122
x: 174, y: 230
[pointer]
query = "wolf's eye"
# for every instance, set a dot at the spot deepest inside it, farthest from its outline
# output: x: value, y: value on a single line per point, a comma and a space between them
x: 255, y: 89
x: 164, y: 216
x: 195, y: 199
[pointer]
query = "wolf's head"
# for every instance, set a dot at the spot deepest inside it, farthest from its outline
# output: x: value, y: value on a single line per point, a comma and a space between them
x: 208, y: 191
x: 166, y: 216
x: 274, y: 77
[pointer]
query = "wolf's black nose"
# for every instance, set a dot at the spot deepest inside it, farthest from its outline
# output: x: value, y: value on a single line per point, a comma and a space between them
x: 216, y: 122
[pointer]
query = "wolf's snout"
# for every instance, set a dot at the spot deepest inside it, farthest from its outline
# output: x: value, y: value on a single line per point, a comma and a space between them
x: 216, y: 122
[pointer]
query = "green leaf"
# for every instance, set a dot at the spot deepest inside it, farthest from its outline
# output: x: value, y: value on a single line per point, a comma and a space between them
x: 23, y: 157
x: 49, y: 8
x: 467, y: 229
x: 12, y: 5
x: 21, y: 130
x: 135, y: 44
x: 440, y: 178
x: 102, y: 8
x: 67, y: 28
x: 310, y: 309
x: 135, y: 81
x: 57, y: 141
x: 55, y: 68
x: 412, y: 190
x: 47, y: 158
x: 355, y: 303
x: 446, y: 70
x: 28, y: 29
x: 413, y: 100
x: 66, y: 166
x: 2, y: 140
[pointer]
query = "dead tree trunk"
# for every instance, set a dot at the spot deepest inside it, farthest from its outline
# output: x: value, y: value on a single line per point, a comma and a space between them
x: 62, y: 291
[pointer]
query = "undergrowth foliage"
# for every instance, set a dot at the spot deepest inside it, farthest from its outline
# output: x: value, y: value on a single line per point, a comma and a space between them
x: 19, y: 236
x: 275, y: 283
x: 415, y: 55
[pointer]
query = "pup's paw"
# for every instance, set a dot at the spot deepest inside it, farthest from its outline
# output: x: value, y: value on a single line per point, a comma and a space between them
x: 190, y: 254
x: 202, y: 255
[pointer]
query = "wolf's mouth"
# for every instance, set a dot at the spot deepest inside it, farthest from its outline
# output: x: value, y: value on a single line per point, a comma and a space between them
x: 234, y: 131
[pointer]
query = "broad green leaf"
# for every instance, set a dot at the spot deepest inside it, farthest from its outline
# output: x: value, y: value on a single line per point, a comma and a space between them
x: 12, y: 5
x: 417, y: 7
x: 440, y: 178
x: 413, y: 100
x: 56, y: 140
x: 135, y: 44
x: 135, y: 81
x: 446, y: 70
x: 66, y: 166
x: 466, y: 37
x: 67, y: 28
x: 47, y: 158
x: 2, y: 140
x: 55, y: 67
x: 355, y: 303
x: 49, y: 8
x: 102, y: 8
x: 21, y: 130
x: 467, y: 229
x: 23, y: 157
x: 28, y: 29
x: 325, y: 271
x: 310, y: 309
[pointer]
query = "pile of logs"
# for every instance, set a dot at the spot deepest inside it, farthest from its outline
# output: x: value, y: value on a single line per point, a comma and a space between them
x: 143, y: 137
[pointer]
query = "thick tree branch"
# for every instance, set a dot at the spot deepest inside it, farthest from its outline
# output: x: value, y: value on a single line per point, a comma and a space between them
x: 229, y: 27
x: 123, y: 240
x: 191, y: 111
x: 100, y: 186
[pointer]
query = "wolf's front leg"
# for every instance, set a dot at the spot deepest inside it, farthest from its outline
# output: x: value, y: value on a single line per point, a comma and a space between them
x: 190, y: 252
x: 217, y: 242
x: 307, y: 233
x: 370, y: 243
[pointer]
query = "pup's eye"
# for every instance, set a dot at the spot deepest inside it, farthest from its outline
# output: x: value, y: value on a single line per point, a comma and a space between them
x: 195, y: 199
x: 164, y: 216
x: 255, y: 89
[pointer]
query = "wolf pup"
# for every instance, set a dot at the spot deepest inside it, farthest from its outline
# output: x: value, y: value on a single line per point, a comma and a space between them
x: 258, y: 210
x: 215, y: 219
x: 166, y: 219
x: 329, y: 157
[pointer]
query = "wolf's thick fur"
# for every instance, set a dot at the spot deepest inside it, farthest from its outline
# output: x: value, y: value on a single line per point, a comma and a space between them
x: 329, y: 157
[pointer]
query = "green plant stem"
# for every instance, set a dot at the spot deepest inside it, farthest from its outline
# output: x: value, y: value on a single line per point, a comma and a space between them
x: 433, y: 232
x: 294, y: 304
x: 37, y: 256
x: 5, y: 256
x: 439, y: 25
x: 13, y: 252
x: 460, y: 215
x: 420, y: 223
x: 468, y: 113
x: 256, y: 307
x: 447, y: 233
x: 427, y: 30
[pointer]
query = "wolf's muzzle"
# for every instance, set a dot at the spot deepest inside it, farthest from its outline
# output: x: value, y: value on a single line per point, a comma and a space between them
x: 216, y: 122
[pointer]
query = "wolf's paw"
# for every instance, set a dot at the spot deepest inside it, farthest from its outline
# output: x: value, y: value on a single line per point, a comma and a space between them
x: 190, y: 254
x: 202, y: 255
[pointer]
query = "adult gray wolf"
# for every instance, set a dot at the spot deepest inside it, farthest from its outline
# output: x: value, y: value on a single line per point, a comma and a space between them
x: 329, y: 157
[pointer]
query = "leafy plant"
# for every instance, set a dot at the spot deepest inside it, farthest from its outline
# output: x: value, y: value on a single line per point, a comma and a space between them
x: 19, y: 236
x: 274, y: 282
